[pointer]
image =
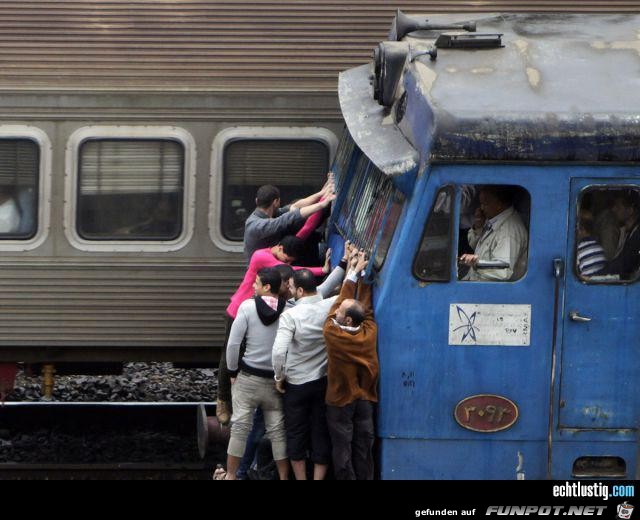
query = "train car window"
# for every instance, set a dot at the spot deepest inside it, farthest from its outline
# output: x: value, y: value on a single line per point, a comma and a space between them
x: 130, y: 189
x: 19, y: 181
x: 432, y: 263
x: 370, y: 205
x: 493, y: 240
x: 607, y: 248
x: 298, y: 167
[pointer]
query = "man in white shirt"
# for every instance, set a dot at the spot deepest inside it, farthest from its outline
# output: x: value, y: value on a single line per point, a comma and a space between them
x: 497, y: 234
x: 300, y: 357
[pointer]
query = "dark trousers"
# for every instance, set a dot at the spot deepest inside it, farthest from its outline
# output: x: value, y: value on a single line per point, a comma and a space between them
x: 253, y: 441
x: 352, y: 435
x: 306, y: 422
x: 224, y: 380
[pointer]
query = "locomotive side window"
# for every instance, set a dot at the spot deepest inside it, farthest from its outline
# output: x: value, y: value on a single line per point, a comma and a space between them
x: 370, y: 209
x: 433, y: 260
x: 130, y: 189
x: 389, y: 228
x: 297, y: 167
x: 607, y: 248
x: 493, y: 237
x: 19, y: 180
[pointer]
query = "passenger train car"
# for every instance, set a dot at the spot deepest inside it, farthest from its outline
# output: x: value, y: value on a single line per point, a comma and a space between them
x: 524, y: 364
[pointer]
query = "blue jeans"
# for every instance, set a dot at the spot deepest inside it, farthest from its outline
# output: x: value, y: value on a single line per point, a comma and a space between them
x: 257, y: 432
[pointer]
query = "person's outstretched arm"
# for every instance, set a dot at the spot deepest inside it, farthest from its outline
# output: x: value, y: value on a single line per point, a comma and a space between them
x: 364, y: 289
x: 336, y: 276
x: 318, y: 206
x: 329, y: 187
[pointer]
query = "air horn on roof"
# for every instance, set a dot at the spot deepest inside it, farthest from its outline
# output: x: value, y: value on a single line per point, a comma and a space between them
x: 407, y: 24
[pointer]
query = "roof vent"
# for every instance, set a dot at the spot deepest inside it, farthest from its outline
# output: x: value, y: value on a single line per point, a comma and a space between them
x: 469, y: 41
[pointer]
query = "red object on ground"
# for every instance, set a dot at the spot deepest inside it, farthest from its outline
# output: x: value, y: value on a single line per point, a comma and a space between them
x: 8, y: 372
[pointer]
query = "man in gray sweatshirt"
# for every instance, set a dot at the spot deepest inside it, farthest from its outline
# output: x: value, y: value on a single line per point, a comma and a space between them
x: 257, y: 323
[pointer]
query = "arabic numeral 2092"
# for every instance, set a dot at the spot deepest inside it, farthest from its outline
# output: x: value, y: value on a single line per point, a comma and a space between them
x: 491, y: 413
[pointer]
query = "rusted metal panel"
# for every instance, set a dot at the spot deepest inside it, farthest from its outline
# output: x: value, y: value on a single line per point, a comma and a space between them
x: 233, y: 45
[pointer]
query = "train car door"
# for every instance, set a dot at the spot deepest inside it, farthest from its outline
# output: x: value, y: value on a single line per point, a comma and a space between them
x: 600, y: 359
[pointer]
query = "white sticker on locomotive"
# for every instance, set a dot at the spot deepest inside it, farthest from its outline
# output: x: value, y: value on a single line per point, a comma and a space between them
x: 485, y: 324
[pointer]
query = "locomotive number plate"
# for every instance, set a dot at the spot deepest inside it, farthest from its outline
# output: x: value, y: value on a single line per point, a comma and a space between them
x: 486, y: 413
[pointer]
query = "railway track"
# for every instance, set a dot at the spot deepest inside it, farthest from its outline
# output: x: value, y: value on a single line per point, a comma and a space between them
x: 83, y: 441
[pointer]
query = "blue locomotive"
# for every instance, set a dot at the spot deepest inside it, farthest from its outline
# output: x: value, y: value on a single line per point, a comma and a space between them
x: 490, y: 166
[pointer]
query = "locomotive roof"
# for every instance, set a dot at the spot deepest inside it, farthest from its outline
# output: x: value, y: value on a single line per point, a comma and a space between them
x: 563, y: 87
x: 554, y: 63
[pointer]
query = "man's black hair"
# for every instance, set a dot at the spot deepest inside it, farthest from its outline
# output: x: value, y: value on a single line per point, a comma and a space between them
x: 587, y: 223
x: 305, y: 280
x: 503, y: 193
x: 292, y: 246
x: 285, y: 270
x: 266, y: 195
x: 271, y: 276
x: 356, y: 313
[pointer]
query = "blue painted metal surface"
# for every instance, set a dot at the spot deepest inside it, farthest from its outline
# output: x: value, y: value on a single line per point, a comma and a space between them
x: 452, y: 459
x: 443, y: 375
x: 461, y: 111
x: 423, y: 377
x: 600, y: 358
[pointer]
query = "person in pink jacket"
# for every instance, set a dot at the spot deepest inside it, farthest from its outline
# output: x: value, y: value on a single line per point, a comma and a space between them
x: 285, y: 252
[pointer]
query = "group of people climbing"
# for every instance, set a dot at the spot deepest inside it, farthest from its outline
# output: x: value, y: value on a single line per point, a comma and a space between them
x: 300, y: 362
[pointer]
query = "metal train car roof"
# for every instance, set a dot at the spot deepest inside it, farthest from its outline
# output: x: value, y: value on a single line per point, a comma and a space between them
x: 564, y: 87
x: 255, y: 45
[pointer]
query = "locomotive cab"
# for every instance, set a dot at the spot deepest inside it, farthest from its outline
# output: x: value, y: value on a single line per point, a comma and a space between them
x: 516, y: 144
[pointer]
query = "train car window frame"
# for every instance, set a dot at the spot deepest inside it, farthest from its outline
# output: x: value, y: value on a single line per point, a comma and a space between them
x: 225, y: 137
x: 143, y: 204
x: 132, y: 133
x: 43, y: 199
x: 605, y: 278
